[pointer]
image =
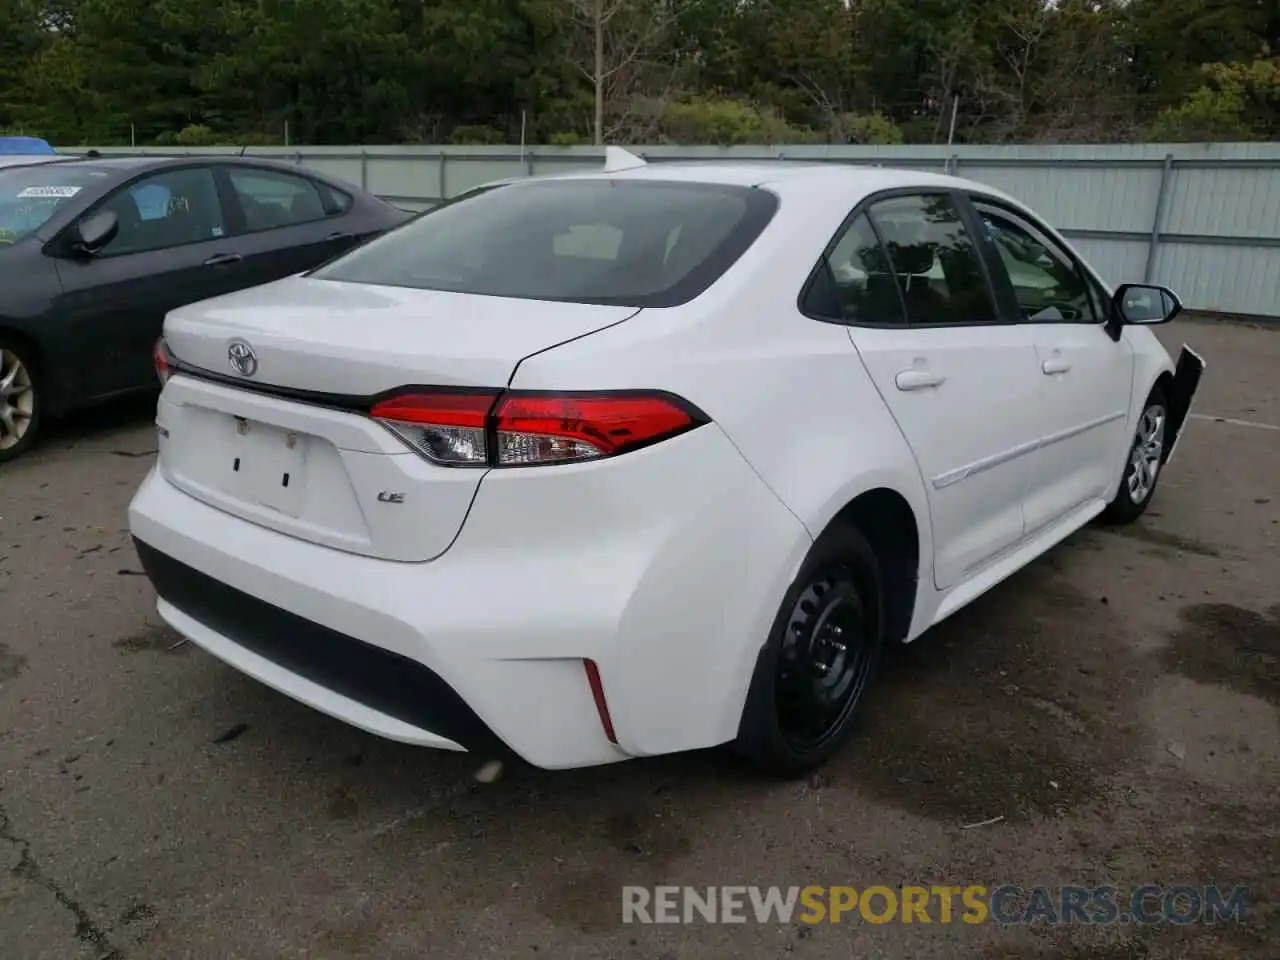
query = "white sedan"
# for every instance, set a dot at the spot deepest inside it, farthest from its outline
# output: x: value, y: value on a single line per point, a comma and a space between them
x: 624, y: 463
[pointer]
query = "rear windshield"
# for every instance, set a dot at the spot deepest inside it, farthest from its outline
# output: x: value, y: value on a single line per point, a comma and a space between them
x: 642, y: 243
x: 30, y: 195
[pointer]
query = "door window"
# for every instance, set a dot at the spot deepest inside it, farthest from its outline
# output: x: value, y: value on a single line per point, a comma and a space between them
x: 1047, y: 282
x: 167, y: 209
x: 856, y: 283
x: 270, y: 199
x: 935, y: 261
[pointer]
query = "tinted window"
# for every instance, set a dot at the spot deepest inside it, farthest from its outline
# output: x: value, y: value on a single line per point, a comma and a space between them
x: 639, y: 243
x: 856, y: 282
x: 1047, y: 283
x: 30, y: 195
x: 166, y: 209
x: 339, y: 202
x: 270, y: 199
x: 935, y: 260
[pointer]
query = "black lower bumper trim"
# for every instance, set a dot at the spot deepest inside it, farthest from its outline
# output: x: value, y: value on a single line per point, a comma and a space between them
x: 379, y: 679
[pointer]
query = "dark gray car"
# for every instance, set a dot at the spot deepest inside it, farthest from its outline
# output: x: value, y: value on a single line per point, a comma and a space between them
x: 95, y: 251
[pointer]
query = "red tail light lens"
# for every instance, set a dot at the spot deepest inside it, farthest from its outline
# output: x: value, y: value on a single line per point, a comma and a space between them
x: 446, y: 428
x: 536, y: 429
x: 163, y: 361
x: 533, y: 429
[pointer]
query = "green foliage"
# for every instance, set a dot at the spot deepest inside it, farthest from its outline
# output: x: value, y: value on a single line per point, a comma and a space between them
x: 868, y: 128
x: 199, y: 73
x: 470, y: 133
x: 727, y: 122
x: 1234, y: 103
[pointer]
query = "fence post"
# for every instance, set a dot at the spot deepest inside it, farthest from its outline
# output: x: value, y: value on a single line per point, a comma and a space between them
x: 364, y: 169
x: 953, y: 164
x: 440, y: 184
x: 1166, y: 174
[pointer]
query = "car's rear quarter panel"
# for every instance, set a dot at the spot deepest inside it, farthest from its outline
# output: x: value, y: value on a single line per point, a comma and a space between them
x: 790, y: 395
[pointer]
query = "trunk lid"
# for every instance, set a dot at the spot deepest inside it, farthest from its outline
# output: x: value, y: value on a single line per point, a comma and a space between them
x: 321, y: 473
x: 358, y: 339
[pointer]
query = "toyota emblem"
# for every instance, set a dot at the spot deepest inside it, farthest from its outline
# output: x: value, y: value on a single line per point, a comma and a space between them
x: 243, y: 360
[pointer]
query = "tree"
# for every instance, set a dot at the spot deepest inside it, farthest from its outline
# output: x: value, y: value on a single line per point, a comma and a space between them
x: 619, y: 45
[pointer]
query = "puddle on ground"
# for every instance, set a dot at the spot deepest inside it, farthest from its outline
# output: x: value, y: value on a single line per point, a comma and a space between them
x: 1163, y: 539
x: 1228, y: 645
x: 11, y: 664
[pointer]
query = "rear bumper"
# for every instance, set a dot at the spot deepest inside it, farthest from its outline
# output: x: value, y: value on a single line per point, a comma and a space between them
x: 665, y: 567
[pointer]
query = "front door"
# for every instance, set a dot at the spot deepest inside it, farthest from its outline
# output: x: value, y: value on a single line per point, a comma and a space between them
x: 166, y: 254
x: 962, y: 385
x: 1086, y: 377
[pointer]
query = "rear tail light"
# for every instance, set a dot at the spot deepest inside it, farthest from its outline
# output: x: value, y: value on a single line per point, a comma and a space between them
x: 446, y: 428
x: 163, y: 360
x: 513, y: 429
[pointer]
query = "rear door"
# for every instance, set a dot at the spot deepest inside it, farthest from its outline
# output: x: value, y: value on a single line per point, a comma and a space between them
x: 960, y: 380
x: 166, y: 254
x: 1085, y: 377
x: 285, y: 223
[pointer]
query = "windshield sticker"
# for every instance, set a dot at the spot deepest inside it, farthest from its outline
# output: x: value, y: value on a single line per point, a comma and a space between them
x: 59, y: 193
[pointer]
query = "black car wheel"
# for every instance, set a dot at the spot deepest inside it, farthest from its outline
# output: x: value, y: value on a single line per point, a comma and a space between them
x: 819, y: 660
x: 19, y: 399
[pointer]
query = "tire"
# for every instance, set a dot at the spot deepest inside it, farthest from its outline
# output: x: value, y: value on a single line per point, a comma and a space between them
x: 19, y: 399
x: 1143, y: 462
x: 808, y: 685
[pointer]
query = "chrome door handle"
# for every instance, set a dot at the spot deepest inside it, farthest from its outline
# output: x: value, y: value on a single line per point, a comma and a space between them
x: 223, y: 260
x: 918, y: 380
x: 1055, y: 365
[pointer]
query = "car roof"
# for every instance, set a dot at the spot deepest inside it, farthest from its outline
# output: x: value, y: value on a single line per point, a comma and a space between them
x: 773, y: 174
x: 30, y: 159
x: 797, y: 172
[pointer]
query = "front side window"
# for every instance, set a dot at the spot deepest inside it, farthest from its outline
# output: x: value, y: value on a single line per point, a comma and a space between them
x: 271, y: 199
x: 935, y: 260
x: 1047, y: 283
x: 626, y: 242
x: 168, y: 209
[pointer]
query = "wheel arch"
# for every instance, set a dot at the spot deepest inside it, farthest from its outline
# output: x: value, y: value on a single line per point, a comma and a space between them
x: 890, y: 524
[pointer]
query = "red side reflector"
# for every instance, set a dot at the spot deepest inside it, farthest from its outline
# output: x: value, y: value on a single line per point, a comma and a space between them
x: 597, y: 693
x: 160, y: 357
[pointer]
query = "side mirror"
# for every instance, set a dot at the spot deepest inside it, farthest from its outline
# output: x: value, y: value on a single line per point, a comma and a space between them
x: 1142, y: 303
x: 90, y: 235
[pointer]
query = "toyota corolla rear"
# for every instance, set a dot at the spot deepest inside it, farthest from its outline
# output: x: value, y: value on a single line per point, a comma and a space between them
x: 356, y: 503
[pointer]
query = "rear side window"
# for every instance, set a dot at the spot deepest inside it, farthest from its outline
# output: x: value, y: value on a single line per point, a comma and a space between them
x: 642, y: 243
x: 855, y: 283
x: 270, y: 199
x: 935, y: 260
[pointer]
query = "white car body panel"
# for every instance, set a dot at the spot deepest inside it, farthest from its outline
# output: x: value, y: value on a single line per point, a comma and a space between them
x: 665, y: 566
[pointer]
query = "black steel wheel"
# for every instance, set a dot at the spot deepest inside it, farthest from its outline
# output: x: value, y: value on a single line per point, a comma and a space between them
x: 819, y: 660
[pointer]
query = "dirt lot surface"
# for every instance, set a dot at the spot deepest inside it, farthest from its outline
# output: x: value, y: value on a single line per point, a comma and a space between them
x: 1117, y: 703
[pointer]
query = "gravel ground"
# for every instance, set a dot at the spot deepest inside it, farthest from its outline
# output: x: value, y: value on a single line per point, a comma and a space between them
x: 1117, y: 703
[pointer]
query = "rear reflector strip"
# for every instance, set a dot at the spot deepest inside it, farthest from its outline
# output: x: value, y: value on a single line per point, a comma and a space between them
x: 602, y: 705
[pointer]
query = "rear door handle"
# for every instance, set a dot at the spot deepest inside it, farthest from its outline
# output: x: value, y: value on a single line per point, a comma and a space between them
x: 223, y: 259
x: 918, y: 380
x: 340, y: 235
x: 1055, y: 365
